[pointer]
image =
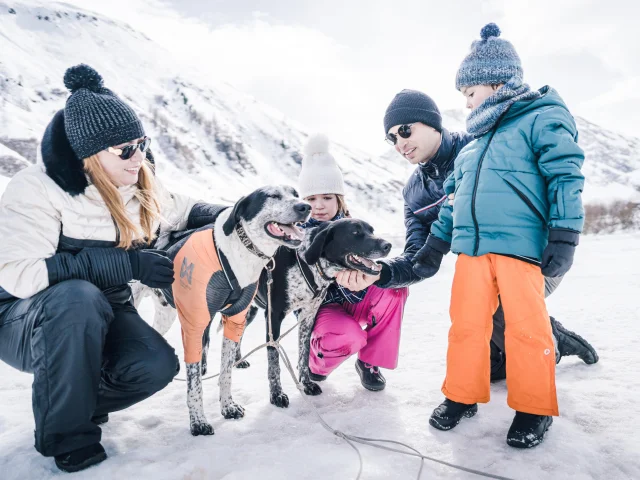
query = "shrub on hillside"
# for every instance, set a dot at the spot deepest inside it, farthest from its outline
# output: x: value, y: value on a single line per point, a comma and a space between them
x: 606, y: 218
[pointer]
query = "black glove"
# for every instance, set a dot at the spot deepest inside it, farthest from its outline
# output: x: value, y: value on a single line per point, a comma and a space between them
x: 151, y: 267
x: 427, y: 260
x: 557, y: 258
x: 385, y: 274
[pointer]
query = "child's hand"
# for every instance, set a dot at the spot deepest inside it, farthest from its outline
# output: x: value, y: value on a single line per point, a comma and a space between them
x: 427, y: 260
x: 451, y: 197
x: 557, y: 257
x: 355, y: 280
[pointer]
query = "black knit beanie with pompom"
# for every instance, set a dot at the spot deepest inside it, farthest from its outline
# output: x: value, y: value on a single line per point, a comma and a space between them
x: 94, y: 117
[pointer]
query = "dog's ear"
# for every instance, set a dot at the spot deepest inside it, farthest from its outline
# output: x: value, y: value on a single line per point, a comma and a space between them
x: 234, y: 217
x: 318, y: 239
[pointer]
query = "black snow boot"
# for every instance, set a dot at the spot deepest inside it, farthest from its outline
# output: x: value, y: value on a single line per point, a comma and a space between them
x: 449, y: 413
x: 316, y: 377
x: 527, y: 430
x: 81, y: 458
x: 100, y: 419
x: 370, y: 376
x: 570, y: 343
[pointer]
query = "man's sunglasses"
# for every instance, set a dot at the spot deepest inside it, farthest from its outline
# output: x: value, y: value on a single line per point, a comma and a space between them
x: 126, y: 152
x: 404, y: 131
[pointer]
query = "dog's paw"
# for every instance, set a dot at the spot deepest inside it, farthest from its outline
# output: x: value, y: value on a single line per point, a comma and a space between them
x: 243, y: 364
x: 280, y: 399
x: 233, y: 410
x: 201, y: 429
x: 311, y: 388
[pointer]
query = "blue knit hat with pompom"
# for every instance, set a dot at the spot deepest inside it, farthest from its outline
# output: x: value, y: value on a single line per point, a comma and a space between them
x: 492, y: 60
x: 95, y: 118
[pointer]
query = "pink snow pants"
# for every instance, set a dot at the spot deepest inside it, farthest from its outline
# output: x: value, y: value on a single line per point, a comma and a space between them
x: 338, y: 332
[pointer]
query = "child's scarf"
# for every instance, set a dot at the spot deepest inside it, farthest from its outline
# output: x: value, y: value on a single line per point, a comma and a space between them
x: 484, y: 118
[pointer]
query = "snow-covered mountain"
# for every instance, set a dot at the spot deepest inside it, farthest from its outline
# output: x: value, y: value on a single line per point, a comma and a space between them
x: 211, y: 141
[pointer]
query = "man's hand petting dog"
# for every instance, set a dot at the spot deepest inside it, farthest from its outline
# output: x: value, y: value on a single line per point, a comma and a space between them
x: 355, y: 280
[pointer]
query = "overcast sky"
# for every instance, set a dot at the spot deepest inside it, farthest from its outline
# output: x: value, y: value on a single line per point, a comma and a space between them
x: 334, y: 65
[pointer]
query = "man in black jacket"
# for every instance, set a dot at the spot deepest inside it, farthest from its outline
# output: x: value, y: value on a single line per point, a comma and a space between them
x: 413, y: 124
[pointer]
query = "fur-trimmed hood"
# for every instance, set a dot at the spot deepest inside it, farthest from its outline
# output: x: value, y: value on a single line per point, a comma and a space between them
x: 60, y: 161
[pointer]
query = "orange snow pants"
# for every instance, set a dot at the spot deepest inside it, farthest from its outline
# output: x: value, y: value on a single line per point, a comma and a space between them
x: 529, y: 343
x: 196, y: 262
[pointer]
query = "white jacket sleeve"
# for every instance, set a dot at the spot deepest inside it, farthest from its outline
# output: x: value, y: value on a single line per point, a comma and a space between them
x: 175, y: 210
x: 29, y: 229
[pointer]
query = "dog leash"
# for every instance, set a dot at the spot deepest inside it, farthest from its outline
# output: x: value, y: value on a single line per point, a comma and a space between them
x: 307, y: 274
x: 351, y: 440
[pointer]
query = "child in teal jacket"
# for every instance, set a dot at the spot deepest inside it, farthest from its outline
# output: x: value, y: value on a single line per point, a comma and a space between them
x: 515, y: 213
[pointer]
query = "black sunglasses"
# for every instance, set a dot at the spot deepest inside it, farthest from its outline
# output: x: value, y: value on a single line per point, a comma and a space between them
x: 404, y: 131
x: 126, y: 152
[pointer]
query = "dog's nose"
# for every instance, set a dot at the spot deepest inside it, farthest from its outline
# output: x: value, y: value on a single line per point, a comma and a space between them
x: 303, y: 208
x: 386, y: 247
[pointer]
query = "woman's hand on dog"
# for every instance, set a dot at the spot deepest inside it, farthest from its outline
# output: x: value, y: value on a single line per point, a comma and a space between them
x: 355, y: 280
x: 152, y: 267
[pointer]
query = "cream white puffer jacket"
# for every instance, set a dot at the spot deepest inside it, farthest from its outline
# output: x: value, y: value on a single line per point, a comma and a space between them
x: 35, y: 211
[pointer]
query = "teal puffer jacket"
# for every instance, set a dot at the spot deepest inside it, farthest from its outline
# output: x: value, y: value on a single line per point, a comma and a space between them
x: 514, y: 183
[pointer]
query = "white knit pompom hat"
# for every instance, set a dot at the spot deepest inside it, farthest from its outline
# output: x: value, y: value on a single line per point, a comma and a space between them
x: 320, y: 172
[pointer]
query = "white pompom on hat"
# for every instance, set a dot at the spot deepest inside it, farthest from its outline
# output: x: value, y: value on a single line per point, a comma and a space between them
x: 320, y: 172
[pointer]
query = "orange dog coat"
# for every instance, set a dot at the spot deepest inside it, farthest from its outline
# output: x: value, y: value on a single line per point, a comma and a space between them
x: 204, y: 284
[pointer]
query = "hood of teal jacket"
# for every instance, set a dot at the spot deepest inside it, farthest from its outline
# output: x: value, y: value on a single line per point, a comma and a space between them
x: 549, y: 98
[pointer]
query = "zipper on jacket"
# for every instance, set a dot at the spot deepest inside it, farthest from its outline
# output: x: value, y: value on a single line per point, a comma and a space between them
x: 476, y: 228
x: 475, y: 187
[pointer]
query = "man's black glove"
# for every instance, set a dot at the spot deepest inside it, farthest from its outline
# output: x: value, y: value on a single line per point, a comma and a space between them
x: 557, y: 258
x: 427, y: 260
x: 151, y: 267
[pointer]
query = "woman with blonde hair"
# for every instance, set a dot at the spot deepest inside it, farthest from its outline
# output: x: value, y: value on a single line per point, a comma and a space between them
x: 76, y: 230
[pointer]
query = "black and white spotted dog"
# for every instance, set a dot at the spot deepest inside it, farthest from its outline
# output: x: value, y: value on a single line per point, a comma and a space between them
x: 247, y: 236
x: 300, y: 280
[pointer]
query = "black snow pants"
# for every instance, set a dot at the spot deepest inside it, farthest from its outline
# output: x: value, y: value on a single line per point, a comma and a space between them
x: 90, y: 354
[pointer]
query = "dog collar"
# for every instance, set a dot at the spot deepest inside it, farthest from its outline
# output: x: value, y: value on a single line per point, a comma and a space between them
x: 246, y: 241
x: 322, y: 274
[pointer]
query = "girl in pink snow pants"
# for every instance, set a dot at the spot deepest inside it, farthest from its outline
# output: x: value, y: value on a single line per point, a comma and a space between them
x: 356, y: 316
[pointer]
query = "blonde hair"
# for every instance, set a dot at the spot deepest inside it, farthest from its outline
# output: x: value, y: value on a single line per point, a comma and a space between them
x: 146, y: 194
x: 342, y: 205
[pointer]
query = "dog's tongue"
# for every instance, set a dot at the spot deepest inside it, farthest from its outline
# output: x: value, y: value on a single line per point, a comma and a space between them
x: 275, y: 230
x: 293, y: 231
x: 280, y: 230
x: 369, y: 263
x: 372, y: 265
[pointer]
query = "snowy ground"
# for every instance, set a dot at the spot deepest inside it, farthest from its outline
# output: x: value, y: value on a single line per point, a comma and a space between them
x: 3, y: 183
x: 595, y: 438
